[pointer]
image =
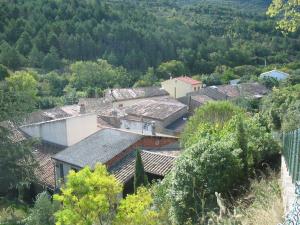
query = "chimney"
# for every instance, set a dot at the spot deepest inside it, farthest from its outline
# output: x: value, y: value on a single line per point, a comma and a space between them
x: 82, y: 109
x: 153, y: 129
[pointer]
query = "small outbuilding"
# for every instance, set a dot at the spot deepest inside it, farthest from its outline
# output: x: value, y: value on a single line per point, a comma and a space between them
x: 278, y: 75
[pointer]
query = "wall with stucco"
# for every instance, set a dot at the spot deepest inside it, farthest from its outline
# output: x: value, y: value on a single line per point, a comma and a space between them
x: 54, y: 131
x: 80, y: 127
x: 177, y: 88
x: 65, y: 132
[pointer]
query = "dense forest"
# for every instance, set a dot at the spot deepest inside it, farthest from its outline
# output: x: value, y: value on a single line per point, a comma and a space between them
x: 77, y: 48
x: 140, y: 34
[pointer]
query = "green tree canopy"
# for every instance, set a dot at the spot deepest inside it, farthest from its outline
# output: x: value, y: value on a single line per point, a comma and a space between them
x: 172, y: 68
x: 222, y: 145
x: 17, y: 98
x: 43, y: 210
x: 98, y: 74
x: 213, y: 113
x: 88, y: 198
x: 287, y: 12
x: 137, y: 209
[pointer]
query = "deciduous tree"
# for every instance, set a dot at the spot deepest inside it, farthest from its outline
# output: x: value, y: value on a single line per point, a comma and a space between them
x: 89, y: 197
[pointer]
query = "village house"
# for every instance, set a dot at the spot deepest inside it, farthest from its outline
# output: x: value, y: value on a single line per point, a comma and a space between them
x: 73, y: 142
x: 159, y: 112
x: 115, y: 148
x: 223, y: 92
x: 140, y: 115
x: 63, y: 132
x: 128, y: 96
x: 178, y: 87
x: 276, y: 74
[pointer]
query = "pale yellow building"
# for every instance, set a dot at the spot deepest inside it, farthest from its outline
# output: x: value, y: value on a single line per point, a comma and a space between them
x: 178, y: 87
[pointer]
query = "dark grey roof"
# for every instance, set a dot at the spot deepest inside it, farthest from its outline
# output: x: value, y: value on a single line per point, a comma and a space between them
x: 98, y: 147
x: 154, y: 163
x: 134, y: 93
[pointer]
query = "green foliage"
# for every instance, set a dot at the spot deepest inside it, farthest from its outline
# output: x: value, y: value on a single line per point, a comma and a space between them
x: 171, y: 68
x: 23, y: 44
x: 56, y: 83
x: 136, y: 209
x: 140, y: 176
x: 17, y: 98
x: 270, y: 82
x: 35, y: 57
x: 281, y: 108
x: 288, y: 14
x: 98, y: 74
x: 3, y: 72
x: 201, y: 170
x: 201, y: 36
x: 51, y: 61
x: 12, y: 212
x: 222, y: 146
x: 10, y: 57
x: 43, y: 211
x: 88, y: 197
x: 149, y: 79
x: 23, y: 84
x: 212, y: 113
x: 242, y: 143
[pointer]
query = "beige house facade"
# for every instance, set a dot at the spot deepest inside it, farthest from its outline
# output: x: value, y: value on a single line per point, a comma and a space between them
x: 178, y: 87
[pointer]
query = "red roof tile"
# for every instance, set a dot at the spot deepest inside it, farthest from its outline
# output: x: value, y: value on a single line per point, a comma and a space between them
x: 188, y: 80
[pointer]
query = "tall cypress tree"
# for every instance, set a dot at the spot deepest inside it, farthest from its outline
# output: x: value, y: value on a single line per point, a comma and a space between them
x: 140, y: 177
x: 243, y: 144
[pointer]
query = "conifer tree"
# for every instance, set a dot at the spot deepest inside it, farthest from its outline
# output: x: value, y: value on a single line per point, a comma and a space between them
x: 140, y: 177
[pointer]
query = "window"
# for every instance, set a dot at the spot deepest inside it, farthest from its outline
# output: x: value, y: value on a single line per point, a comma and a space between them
x: 195, y: 88
x: 198, y: 88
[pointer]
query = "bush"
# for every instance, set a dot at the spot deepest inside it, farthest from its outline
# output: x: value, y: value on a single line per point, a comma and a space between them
x: 201, y: 170
x: 219, y: 154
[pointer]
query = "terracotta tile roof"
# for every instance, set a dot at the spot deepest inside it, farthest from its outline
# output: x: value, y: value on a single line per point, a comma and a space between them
x: 154, y: 163
x: 45, y: 171
x: 188, y: 80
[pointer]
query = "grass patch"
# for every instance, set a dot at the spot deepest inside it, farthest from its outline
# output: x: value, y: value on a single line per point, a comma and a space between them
x: 261, y: 205
x: 266, y: 206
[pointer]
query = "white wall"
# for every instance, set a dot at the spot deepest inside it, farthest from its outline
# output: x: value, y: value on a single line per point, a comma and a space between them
x: 80, y: 127
x: 51, y: 131
x: 137, y: 126
x: 66, y: 131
